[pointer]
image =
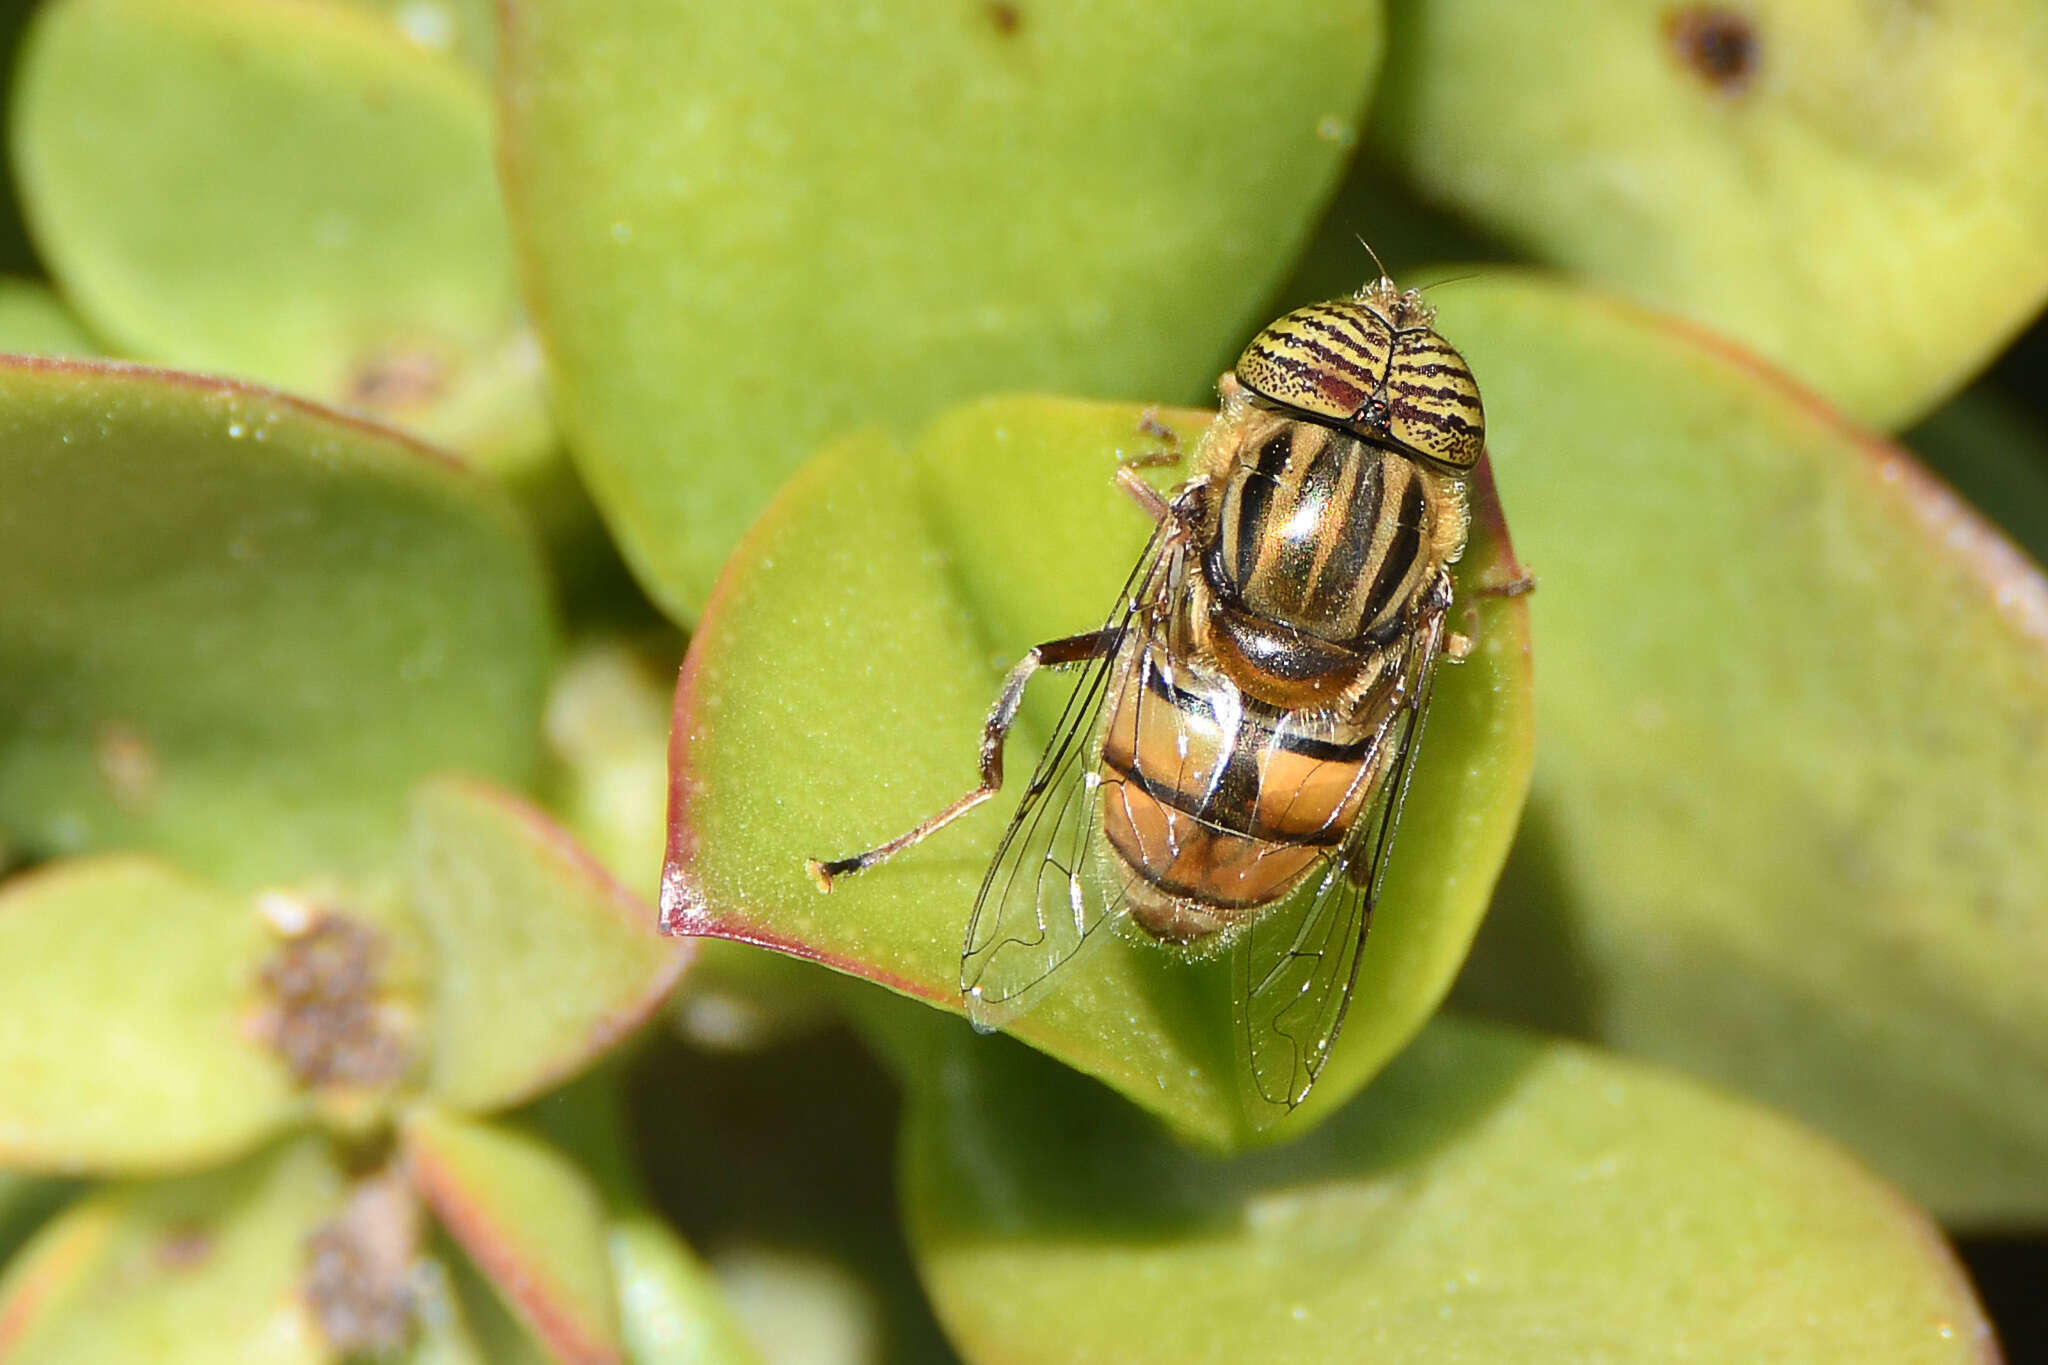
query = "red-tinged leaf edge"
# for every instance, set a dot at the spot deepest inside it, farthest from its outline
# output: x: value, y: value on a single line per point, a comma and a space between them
x: 225, y: 385
x: 2017, y: 585
x: 492, y: 1249
x: 633, y: 911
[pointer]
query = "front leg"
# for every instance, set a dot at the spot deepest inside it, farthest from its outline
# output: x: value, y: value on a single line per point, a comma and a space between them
x: 1458, y: 644
x: 1073, y: 649
x: 1168, y: 452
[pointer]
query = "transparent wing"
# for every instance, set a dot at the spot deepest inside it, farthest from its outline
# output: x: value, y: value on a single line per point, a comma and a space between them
x: 1043, y: 901
x: 1293, y: 969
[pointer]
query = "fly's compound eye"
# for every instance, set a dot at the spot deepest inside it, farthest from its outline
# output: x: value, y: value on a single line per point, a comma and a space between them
x: 1432, y: 401
x: 1347, y: 364
x: 1327, y: 361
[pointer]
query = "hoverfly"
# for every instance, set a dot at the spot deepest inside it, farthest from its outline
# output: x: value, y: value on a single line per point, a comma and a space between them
x: 1243, y: 724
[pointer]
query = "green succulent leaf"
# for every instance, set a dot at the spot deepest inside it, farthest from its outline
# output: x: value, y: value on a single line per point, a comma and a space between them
x: 741, y: 237
x: 835, y: 695
x: 530, y: 1221
x: 1786, y: 828
x: 543, y: 961
x: 669, y: 1306
x: 1852, y: 190
x: 238, y: 629
x: 337, y: 229
x: 34, y: 321
x: 1492, y: 1196
x: 204, y: 1269
x: 127, y: 994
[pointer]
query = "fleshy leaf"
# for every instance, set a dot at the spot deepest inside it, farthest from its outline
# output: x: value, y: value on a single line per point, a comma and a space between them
x: 1490, y: 1197
x: 1786, y: 828
x: 744, y: 233
x: 1852, y: 190
x: 836, y: 692
x: 544, y: 961
x: 669, y: 1305
x: 127, y: 992
x: 530, y: 1222
x: 205, y: 1269
x: 237, y: 628
x: 337, y: 228
x: 34, y: 321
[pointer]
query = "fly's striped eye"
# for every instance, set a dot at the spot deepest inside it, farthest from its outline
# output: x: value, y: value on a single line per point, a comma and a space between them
x: 1432, y: 400
x: 1375, y: 367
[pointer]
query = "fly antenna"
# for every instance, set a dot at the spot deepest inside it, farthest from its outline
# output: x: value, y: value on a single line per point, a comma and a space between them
x: 1454, y: 279
x: 1377, y: 262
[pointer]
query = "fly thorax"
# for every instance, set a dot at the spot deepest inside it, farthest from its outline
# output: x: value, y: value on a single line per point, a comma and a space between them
x: 1320, y: 540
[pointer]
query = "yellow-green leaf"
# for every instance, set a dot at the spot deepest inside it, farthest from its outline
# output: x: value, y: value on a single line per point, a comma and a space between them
x: 746, y: 230
x: 237, y: 628
x: 34, y: 321
x: 1786, y: 828
x: 532, y: 1224
x: 1490, y: 1197
x: 289, y: 191
x: 669, y: 1306
x: 1853, y: 190
x: 207, y: 1270
x: 128, y: 997
x: 542, y: 961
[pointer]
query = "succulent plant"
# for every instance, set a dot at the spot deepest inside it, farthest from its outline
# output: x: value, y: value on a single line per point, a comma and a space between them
x: 344, y: 801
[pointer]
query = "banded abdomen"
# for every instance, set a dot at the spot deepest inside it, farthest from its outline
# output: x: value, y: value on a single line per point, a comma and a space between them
x: 1216, y: 803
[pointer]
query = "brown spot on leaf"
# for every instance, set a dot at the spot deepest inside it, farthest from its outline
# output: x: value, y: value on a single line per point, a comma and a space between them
x: 184, y: 1248
x: 128, y: 765
x: 398, y: 379
x: 1006, y: 17
x: 329, y: 1020
x: 1720, y: 46
x: 360, y: 1267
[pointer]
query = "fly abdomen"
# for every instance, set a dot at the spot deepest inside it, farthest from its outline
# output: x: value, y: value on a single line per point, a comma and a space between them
x: 1214, y: 803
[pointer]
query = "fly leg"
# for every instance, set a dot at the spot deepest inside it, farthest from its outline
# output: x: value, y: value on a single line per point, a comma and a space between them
x: 1073, y: 649
x: 1144, y: 494
x: 1521, y: 585
x: 1458, y: 644
x: 1168, y: 451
